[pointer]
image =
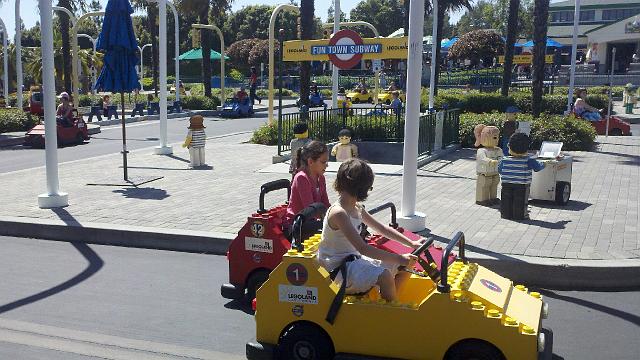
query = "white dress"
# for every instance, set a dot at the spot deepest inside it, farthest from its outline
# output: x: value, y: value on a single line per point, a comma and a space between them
x: 362, y: 273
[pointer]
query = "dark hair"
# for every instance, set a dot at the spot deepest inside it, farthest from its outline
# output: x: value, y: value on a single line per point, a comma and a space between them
x: 312, y: 150
x: 580, y: 90
x: 354, y: 177
x: 345, y: 132
x: 300, y: 128
x: 519, y: 143
x: 253, y: 68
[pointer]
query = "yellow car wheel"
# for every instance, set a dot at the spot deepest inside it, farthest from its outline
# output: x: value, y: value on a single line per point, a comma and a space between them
x: 473, y: 349
x: 303, y: 341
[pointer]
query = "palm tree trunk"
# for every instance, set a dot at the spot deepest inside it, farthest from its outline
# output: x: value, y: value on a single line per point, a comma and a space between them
x: 405, y: 26
x: 512, y: 32
x: 435, y: 60
x: 205, y: 42
x: 540, y: 18
x: 306, y: 33
x: 66, y: 44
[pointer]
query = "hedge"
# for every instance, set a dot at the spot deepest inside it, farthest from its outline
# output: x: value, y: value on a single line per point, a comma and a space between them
x: 16, y: 120
x: 576, y: 134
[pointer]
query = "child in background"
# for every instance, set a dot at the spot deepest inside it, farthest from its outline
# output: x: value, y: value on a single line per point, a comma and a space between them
x: 342, y: 247
x: 106, y: 102
x: 396, y: 103
x: 515, y: 174
x: 309, y: 186
x: 301, y: 138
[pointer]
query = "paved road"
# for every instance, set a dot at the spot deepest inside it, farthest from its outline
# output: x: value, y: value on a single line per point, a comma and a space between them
x: 73, y: 301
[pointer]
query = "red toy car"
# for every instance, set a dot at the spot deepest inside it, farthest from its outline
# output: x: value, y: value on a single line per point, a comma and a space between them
x: 617, y: 126
x: 76, y: 133
x: 261, y: 243
x: 35, y: 102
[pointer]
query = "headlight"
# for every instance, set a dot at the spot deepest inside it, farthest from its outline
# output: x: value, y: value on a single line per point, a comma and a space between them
x: 540, y: 342
x: 545, y: 310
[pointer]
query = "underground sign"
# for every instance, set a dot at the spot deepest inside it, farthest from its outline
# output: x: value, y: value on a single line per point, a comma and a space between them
x: 345, y: 49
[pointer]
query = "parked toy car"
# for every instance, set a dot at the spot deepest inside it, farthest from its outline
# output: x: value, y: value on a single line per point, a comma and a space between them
x: 35, y: 102
x: 464, y: 311
x: 315, y: 100
x: 76, y: 133
x: 617, y: 126
x: 386, y: 97
x: 360, y: 96
x: 233, y: 107
x: 261, y: 243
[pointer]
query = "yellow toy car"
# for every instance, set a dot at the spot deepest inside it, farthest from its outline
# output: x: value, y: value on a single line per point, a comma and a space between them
x: 386, y: 97
x: 360, y: 96
x: 342, y: 99
x: 464, y: 311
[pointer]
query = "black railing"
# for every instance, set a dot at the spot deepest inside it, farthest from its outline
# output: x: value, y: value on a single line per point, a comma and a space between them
x: 451, y: 128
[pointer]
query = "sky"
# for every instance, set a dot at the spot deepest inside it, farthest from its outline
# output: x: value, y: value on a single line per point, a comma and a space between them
x: 30, y: 14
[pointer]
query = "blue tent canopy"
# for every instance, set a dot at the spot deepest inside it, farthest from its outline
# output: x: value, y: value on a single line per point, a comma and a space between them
x: 550, y: 43
x: 448, y: 44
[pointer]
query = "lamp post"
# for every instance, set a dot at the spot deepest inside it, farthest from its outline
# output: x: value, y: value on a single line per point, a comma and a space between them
x: 176, y: 47
x: 163, y: 148
x: 272, y: 25
x: 434, y: 52
x: 5, y: 60
x: 18, y: 42
x: 53, y: 197
x: 335, y: 72
x: 93, y: 71
x: 217, y: 30
x: 574, y: 49
x: 74, y: 63
x: 142, y: 63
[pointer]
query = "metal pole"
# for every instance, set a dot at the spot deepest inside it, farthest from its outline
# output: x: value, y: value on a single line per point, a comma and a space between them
x: 221, y: 37
x: 142, y: 63
x: 176, y: 47
x: 434, y: 52
x: 74, y: 41
x: 5, y: 61
x: 613, y: 62
x: 335, y: 71
x: 93, y: 73
x: 163, y: 148
x: 53, y: 197
x: 281, y: 38
x: 574, y: 50
x: 272, y: 24
x: 410, y: 219
x: 18, y: 42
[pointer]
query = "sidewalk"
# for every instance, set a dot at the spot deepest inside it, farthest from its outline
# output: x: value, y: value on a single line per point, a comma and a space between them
x: 592, y: 242
x: 619, y: 111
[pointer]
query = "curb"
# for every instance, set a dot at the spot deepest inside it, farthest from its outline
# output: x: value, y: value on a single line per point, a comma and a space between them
x: 561, y: 274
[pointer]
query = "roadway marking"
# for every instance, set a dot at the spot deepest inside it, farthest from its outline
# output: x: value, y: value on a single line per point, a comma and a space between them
x: 98, y: 345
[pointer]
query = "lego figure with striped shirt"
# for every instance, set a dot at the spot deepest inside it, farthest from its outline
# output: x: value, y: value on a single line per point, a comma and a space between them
x: 195, y: 141
x: 515, y: 174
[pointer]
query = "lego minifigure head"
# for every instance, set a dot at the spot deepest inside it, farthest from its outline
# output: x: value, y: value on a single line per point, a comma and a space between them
x: 354, y: 178
x: 518, y: 144
x: 196, y: 122
x: 511, y: 113
x: 301, y: 130
x: 486, y: 136
x: 345, y: 136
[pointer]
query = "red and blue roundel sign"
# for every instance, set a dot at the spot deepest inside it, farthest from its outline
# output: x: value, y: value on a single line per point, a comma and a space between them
x: 341, y: 48
x: 490, y: 285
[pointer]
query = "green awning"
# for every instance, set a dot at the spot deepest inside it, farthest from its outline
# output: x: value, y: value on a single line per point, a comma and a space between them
x: 196, y: 54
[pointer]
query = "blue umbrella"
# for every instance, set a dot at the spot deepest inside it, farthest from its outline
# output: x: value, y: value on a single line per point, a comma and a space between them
x: 550, y: 43
x: 450, y: 43
x: 117, y: 40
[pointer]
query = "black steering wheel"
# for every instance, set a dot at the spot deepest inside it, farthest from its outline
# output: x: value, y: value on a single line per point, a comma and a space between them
x: 429, y: 265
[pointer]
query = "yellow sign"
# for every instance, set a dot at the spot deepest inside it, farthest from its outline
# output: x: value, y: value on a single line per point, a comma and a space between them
x: 371, y: 48
x: 526, y: 59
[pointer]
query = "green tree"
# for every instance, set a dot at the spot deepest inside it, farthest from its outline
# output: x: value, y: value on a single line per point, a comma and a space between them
x: 444, y: 6
x: 252, y: 22
x: 331, y: 13
x: 306, y: 33
x: 512, y: 30
x: 540, y: 20
x: 386, y: 15
x: 491, y: 14
x: 477, y: 45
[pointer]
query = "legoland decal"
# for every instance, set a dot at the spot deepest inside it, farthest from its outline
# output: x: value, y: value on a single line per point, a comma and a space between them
x: 297, y: 274
x: 257, y: 244
x: 257, y: 229
x: 490, y: 285
x: 298, y: 294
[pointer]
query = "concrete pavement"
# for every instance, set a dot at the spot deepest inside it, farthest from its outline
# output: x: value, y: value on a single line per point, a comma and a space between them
x: 593, y: 242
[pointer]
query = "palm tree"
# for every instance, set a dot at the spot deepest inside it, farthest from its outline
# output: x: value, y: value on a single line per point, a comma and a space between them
x: 152, y: 27
x: 306, y: 33
x: 512, y: 31
x: 71, y: 5
x: 443, y: 7
x: 540, y: 18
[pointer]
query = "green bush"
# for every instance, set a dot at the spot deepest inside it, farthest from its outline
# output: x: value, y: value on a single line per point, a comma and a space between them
x: 235, y: 74
x: 285, y: 92
x: 266, y: 135
x: 576, y: 134
x: 16, y: 120
x: 199, y: 102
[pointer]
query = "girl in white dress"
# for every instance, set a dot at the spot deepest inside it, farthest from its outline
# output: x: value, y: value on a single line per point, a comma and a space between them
x: 341, y: 243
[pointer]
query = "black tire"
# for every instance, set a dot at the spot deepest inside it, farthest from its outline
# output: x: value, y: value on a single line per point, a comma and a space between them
x: 615, y: 132
x: 355, y: 100
x: 79, y: 138
x: 474, y: 350
x: 370, y: 100
x: 304, y: 342
x: 563, y: 193
x: 255, y: 281
x: 60, y: 142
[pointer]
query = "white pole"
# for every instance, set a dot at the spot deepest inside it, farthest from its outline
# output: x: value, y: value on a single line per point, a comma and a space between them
x: 53, y: 197
x: 18, y: 42
x: 434, y: 49
x: 410, y: 219
x: 163, y: 149
x: 335, y: 72
x: 272, y: 24
x: 176, y: 47
x: 5, y: 61
x: 574, y: 50
x: 613, y: 62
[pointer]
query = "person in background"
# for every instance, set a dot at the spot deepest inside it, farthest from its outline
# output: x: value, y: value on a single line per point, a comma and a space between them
x: 106, y: 102
x: 64, y: 112
x: 241, y: 94
x: 253, y: 86
x: 582, y: 109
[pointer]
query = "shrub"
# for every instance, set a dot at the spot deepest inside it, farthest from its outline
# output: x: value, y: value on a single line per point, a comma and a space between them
x: 16, y: 120
x: 235, y: 74
x: 285, y: 92
x: 199, y: 102
x: 266, y: 135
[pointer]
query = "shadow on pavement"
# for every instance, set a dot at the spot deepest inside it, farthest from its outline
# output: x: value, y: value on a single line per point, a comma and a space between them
x: 143, y: 193
x: 178, y: 158
x: 558, y: 225
x: 573, y: 205
x: 95, y: 264
x: 240, y: 305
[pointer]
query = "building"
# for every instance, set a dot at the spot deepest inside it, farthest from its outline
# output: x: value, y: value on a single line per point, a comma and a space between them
x: 604, y: 25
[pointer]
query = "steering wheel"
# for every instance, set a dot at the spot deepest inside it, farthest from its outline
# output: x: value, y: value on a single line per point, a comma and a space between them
x: 432, y: 271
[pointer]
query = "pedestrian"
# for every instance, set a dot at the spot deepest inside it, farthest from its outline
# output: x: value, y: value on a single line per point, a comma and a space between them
x: 253, y: 86
x: 106, y: 102
x: 195, y: 141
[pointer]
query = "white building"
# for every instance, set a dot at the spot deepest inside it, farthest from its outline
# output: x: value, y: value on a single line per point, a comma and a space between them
x: 604, y: 25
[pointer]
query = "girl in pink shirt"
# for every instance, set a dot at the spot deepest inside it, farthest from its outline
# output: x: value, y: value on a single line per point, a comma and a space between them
x: 309, y: 185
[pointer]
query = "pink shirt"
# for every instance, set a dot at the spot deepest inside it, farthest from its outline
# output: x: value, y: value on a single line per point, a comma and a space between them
x: 304, y: 193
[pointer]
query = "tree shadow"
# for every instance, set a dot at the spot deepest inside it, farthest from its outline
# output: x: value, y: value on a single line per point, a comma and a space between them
x: 143, y: 193
x: 95, y: 264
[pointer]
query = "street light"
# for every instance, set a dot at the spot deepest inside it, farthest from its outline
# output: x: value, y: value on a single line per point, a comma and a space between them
x: 272, y: 24
x: 18, y: 42
x: 93, y: 68
x: 5, y: 77
x: 217, y: 30
x: 176, y: 45
x: 141, y: 63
